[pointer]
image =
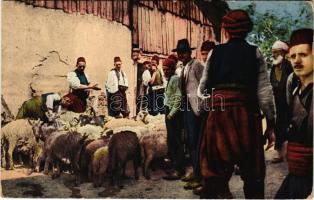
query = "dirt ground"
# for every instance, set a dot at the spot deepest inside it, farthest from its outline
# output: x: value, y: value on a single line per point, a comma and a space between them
x: 16, y: 183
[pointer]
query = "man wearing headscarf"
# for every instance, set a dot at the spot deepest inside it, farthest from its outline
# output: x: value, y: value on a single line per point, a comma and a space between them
x: 299, y: 182
x: 237, y: 80
x: 280, y: 71
x: 80, y: 87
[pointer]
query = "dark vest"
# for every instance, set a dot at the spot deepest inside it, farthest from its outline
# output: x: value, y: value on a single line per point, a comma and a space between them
x: 234, y: 64
x: 279, y: 87
x: 83, y: 95
x: 301, y: 115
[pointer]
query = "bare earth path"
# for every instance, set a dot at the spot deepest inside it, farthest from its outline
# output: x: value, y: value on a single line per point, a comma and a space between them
x: 16, y: 183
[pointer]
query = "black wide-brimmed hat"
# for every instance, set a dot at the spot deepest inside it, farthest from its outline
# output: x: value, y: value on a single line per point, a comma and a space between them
x: 183, y: 45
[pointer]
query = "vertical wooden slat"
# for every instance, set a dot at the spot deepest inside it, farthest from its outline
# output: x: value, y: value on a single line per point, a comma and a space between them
x: 102, y: 9
x: 50, y: 4
x: 96, y: 7
x: 82, y: 7
x: 109, y: 6
x: 140, y: 27
x: 59, y: 4
x: 35, y: 4
x: 126, y: 19
x: 135, y: 30
x: 41, y: 3
x: 89, y: 5
x: 73, y: 6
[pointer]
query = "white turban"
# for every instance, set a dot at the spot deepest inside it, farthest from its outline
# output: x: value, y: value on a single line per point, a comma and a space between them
x: 280, y: 45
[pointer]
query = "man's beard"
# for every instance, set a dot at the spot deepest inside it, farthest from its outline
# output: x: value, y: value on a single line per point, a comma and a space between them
x: 278, y: 60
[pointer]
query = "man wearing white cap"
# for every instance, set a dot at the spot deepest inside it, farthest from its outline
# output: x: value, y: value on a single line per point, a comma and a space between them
x: 280, y: 71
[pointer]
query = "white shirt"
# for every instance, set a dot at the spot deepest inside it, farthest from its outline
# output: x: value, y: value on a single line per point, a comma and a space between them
x: 146, y: 76
x: 74, y: 80
x: 113, y: 83
x: 178, y: 71
x: 49, y: 102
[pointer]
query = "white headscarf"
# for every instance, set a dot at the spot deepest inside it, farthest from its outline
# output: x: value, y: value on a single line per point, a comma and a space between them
x: 280, y: 45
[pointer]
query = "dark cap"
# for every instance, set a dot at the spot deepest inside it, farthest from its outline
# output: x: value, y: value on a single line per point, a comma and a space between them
x: 301, y: 36
x: 207, y: 45
x: 237, y: 23
x: 183, y: 45
x: 117, y: 59
x: 80, y: 59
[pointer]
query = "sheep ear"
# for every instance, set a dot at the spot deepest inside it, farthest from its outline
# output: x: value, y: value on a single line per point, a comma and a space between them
x: 109, y: 133
x: 30, y: 122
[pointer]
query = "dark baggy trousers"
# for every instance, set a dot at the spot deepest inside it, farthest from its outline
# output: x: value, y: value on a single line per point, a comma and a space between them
x: 174, y: 140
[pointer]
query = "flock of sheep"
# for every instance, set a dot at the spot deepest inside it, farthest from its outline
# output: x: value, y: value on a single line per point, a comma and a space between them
x: 90, y: 146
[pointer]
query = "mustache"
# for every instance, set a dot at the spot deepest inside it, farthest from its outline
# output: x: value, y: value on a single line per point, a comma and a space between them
x: 298, y: 66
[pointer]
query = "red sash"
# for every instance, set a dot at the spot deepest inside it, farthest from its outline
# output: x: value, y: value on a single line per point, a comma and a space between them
x: 300, y: 159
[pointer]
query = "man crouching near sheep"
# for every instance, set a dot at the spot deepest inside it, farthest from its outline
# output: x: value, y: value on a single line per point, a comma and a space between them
x: 172, y: 107
x: 41, y: 107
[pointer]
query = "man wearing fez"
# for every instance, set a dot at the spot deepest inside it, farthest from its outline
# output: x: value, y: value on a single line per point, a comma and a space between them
x: 116, y: 86
x: 299, y: 182
x: 80, y: 87
x: 190, y: 78
x: 280, y: 71
x: 237, y: 79
x: 206, y: 47
x: 173, y: 119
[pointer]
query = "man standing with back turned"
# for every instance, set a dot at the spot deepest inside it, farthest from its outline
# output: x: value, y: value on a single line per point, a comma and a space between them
x: 237, y: 74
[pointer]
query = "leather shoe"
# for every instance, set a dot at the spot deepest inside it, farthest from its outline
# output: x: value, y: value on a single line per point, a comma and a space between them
x: 192, y: 185
x: 198, y: 190
x: 188, y: 177
x: 175, y: 175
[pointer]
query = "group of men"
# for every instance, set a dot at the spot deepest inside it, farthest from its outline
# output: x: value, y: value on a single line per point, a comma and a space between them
x: 232, y: 80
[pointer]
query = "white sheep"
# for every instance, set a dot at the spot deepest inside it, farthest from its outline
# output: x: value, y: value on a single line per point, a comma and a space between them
x: 11, y: 133
x: 93, y: 132
x: 116, y: 123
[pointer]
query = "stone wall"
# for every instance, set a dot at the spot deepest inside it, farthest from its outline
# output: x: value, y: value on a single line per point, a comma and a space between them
x: 40, y: 46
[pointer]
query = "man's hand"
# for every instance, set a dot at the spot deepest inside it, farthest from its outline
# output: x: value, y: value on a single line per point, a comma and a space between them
x: 169, y: 117
x: 269, y: 138
x: 95, y: 87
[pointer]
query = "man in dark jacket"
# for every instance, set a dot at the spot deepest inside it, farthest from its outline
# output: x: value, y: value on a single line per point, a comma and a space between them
x: 299, y: 182
x: 280, y: 71
x: 237, y: 79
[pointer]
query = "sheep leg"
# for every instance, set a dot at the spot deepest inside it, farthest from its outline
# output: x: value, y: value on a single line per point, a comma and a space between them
x: 90, y: 172
x: 135, y: 166
x: 146, y: 165
x: 10, y: 158
x: 119, y: 173
x: 47, y: 162
x: 76, y: 169
x: 38, y: 162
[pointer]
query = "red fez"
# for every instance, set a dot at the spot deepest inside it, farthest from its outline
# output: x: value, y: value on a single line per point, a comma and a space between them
x: 117, y: 59
x: 173, y: 57
x: 146, y: 62
x: 170, y: 63
x: 80, y: 59
x: 207, y: 46
x: 301, y: 36
x: 155, y: 57
x: 237, y: 23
